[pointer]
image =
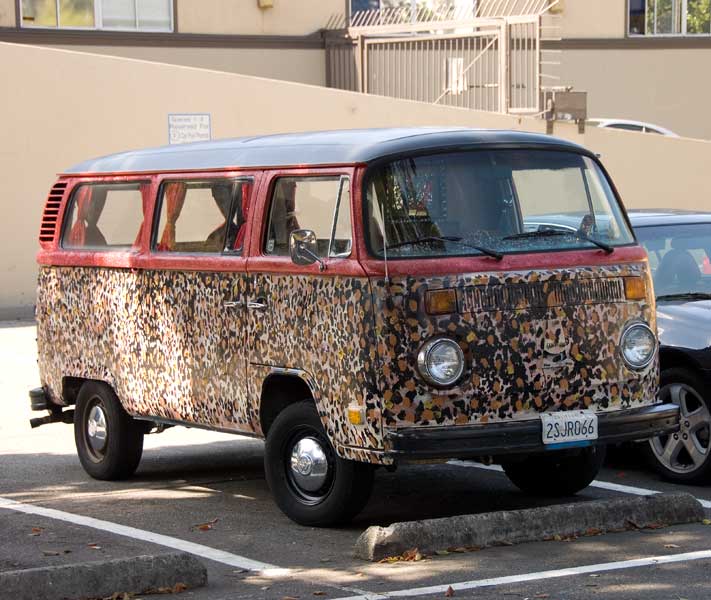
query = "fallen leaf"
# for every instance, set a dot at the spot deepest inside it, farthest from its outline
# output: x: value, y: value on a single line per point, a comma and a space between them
x: 179, y: 587
x: 94, y: 546
x: 325, y: 560
x: 289, y: 598
x: 50, y: 553
x: 593, y: 531
x: 319, y: 593
x: 412, y: 555
x: 207, y: 525
x: 442, y: 552
x: 706, y: 521
x: 655, y: 526
x: 671, y: 546
x: 459, y: 549
x: 541, y: 596
x: 450, y: 592
x: 37, y: 531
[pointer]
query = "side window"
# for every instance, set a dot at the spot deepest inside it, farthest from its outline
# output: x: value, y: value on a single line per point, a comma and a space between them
x: 203, y: 216
x: 104, y: 217
x: 321, y: 204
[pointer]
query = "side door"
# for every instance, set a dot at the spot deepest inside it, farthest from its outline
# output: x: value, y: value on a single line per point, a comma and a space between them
x: 194, y: 310
x: 310, y: 320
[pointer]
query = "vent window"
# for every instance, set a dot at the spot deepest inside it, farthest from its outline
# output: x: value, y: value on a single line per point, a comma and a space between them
x: 48, y: 228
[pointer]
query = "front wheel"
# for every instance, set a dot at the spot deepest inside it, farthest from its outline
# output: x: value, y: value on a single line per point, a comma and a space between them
x: 556, y: 473
x: 309, y: 482
x: 109, y: 442
x: 684, y: 456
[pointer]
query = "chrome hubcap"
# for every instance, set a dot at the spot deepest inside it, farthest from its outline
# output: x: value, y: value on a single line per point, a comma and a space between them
x: 96, y: 429
x: 686, y: 450
x: 309, y: 464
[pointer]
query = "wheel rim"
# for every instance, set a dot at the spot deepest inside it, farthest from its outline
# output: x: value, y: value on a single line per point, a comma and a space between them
x: 95, y: 430
x: 309, y: 466
x: 685, y: 451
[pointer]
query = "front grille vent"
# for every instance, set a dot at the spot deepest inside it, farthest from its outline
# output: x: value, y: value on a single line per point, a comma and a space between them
x: 542, y: 294
x: 50, y: 216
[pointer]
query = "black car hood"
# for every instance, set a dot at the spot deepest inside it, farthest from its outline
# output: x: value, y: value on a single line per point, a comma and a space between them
x: 684, y: 323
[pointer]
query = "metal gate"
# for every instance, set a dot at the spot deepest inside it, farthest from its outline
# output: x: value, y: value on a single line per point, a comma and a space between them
x: 490, y: 63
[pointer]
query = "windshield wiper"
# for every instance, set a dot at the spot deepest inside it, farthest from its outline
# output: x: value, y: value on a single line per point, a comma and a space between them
x: 686, y: 296
x: 456, y: 240
x: 556, y: 232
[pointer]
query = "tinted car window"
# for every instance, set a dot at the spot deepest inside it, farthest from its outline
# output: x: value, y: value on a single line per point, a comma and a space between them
x: 679, y: 256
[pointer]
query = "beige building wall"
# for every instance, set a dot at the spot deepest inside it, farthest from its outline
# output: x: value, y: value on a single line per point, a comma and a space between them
x: 286, y: 17
x: 590, y: 19
x: 7, y: 13
x: 303, y: 65
x: 667, y: 86
x: 116, y: 104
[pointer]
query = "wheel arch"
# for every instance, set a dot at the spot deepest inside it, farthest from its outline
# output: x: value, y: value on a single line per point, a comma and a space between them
x: 280, y: 388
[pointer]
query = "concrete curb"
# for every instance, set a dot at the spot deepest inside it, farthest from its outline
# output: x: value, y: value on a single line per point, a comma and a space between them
x: 103, y: 578
x: 528, y: 525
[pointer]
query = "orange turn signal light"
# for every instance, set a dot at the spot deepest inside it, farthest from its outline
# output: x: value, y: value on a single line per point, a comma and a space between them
x: 440, y: 302
x: 635, y: 288
x: 356, y: 415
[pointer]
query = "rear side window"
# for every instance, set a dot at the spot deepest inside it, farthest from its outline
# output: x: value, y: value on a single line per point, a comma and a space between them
x: 321, y: 204
x: 106, y: 217
x: 203, y: 216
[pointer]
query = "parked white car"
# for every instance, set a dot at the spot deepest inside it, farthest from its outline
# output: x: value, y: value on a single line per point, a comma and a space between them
x: 639, y: 126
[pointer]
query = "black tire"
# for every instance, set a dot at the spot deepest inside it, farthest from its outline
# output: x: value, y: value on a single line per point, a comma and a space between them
x: 122, y: 447
x: 556, y: 474
x: 684, y: 464
x: 346, y: 486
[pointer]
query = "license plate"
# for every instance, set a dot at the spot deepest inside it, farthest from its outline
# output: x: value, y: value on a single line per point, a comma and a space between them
x: 569, y: 428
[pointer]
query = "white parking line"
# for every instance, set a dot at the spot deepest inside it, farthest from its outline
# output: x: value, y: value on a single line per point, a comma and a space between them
x: 495, y: 581
x: 220, y: 556
x: 603, y: 485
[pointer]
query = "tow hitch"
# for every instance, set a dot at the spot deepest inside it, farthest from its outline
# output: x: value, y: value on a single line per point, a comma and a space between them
x: 39, y: 401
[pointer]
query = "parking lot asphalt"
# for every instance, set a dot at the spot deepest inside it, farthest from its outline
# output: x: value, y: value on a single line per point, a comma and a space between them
x: 206, y: 492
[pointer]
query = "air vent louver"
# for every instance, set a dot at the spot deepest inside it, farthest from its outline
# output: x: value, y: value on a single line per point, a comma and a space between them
x: 50, y: 217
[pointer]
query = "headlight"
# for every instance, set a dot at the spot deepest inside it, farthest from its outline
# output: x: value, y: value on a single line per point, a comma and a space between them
x: 638, y: 344
x: 441, y: 361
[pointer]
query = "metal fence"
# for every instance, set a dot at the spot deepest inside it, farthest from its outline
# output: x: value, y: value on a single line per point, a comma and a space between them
x: 491, y: 63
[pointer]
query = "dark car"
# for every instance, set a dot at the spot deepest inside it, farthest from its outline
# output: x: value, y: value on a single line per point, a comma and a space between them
x: 679, y: 247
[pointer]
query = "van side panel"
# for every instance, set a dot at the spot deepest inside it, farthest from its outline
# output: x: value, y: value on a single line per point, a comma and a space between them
x: 162, y: 339
x: 322, y: 326
x: 534, y: 341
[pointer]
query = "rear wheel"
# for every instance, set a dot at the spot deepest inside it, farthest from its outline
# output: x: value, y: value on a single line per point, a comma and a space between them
x: 684, y: 456
x: 556, y: 473
x: 309, y: 482
x: 109, y: 442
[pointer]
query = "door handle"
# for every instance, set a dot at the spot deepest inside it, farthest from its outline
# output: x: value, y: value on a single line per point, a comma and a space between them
x: 258, y: 304
x: 234, y: 304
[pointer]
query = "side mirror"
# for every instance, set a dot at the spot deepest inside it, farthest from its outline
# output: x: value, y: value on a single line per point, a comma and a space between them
x: 303, y: 248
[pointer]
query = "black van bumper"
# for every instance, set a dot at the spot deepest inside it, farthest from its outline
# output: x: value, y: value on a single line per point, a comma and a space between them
x: 493, y: 439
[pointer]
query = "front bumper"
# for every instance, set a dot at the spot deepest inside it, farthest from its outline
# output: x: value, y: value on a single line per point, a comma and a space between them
x: 515, y: 437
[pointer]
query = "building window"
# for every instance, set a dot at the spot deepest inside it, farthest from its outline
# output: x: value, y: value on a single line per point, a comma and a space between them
x: 670, y: 17
x: 125, y: 15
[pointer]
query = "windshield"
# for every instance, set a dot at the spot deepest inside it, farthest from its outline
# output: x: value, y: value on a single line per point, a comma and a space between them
x: 488, y: 202
x: 678, y: 257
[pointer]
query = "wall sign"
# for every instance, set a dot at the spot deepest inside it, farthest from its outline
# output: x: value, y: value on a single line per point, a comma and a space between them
x: 189, y: 127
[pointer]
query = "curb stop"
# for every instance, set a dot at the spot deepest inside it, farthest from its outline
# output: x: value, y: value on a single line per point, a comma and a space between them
x: 528, y: 525
x: 135, y: 575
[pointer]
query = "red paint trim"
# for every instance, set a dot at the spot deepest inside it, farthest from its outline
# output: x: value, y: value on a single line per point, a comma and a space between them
x: 519, y: 262
x: 253, y: 259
